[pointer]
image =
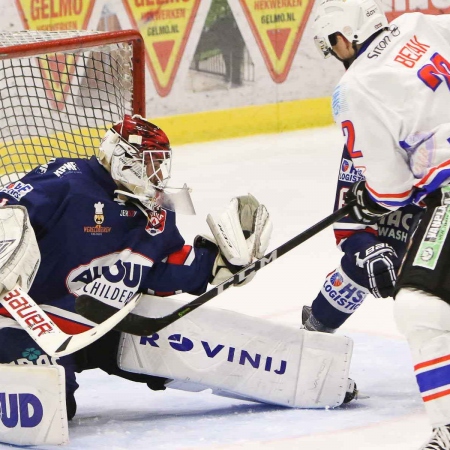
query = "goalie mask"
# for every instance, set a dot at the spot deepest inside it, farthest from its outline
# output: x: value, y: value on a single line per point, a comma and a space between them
x: 138, y: 155
x: 356, y: 20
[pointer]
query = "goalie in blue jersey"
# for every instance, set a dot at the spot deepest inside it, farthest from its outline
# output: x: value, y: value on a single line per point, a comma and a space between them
x: 105, y: 227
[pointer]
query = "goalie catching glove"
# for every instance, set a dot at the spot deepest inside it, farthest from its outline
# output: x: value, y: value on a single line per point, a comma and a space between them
x: 241, y: 233
x: 19, y: 252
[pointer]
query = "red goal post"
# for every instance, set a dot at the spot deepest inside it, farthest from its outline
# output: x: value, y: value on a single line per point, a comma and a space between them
x: 60, y: 91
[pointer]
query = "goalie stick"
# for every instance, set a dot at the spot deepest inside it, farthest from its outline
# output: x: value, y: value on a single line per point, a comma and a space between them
x: 97, y: 311
x: 46, y: 333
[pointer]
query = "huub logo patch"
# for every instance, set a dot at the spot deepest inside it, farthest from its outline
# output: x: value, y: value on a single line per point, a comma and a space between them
x: 20, y: 409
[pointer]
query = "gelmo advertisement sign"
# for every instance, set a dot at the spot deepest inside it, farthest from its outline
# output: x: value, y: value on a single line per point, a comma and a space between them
x: 55, y: 14
x: 278, y: 27
x: 165, y: 27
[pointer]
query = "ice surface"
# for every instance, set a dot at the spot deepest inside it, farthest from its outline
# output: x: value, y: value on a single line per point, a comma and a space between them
x: 294, y: 175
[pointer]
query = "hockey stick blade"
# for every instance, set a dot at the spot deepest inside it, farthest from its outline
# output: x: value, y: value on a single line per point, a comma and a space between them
x: 135, y: 324
x: 46, y: 333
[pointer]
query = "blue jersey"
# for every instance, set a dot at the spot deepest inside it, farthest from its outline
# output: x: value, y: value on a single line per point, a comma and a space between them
x: 90, y: 242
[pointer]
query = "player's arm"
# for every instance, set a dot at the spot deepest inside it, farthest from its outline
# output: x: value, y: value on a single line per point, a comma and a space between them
x: 369, y: 129
x: 241, y: 233
x: 41, y: 192
x: 362, y: 246
x: 348, y: 175
x: 186, y: 270
x: 25, y: 212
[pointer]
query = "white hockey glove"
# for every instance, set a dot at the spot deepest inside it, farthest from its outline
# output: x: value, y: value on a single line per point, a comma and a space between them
x: 242, y: 233
x: 19, y: 252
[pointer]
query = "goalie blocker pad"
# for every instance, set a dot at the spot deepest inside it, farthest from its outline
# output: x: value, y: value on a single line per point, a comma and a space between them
x: 19, y: 250
x: 33, y: 405
x: 240, y: 356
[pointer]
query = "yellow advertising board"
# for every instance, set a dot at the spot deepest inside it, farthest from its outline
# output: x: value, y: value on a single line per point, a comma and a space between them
x: 278, y: 26
x: 165, y: 27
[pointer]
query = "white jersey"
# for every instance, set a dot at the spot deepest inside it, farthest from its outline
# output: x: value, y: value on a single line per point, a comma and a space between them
x: 394, y: 108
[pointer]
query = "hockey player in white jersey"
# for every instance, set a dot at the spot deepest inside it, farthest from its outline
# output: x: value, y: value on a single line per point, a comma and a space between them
x: 393, y: 106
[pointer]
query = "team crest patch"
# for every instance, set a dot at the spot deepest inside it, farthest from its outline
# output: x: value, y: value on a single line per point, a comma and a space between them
x: 156, y: 221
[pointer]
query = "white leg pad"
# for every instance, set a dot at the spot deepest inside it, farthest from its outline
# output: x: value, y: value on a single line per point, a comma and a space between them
x: 33, y: 405
x: 240, y: 356
x: 425, y: 321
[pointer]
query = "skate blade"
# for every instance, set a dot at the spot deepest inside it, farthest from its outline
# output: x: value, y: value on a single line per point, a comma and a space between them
x: 362, y: 396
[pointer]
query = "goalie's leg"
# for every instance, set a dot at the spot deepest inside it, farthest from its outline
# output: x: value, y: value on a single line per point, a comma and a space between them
x: 102, y: 354
x: 242, y: 357
x: 18, y: 348
x: 34, y: 389
x: 32, y: 402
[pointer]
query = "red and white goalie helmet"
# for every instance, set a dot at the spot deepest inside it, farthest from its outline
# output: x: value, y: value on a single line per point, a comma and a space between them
x: 138, y: 155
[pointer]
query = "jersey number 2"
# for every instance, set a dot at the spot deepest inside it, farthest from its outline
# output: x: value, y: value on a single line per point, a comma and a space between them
x: 349, y: 131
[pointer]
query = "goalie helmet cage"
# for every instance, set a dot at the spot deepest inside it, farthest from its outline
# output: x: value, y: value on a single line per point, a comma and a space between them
x: 60, y: 91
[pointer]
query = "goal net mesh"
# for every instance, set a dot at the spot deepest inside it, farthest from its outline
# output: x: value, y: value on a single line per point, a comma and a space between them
x: 59, y: 104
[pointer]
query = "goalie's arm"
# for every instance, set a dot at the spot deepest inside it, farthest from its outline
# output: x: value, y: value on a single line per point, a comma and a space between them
x: 187, y: 270
x: 241, y: 234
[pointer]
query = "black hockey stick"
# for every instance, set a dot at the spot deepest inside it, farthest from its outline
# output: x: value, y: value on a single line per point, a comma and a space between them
x: 98, y: 311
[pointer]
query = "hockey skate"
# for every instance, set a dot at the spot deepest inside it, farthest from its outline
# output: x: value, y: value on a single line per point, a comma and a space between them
x: 310, y: 323
x: 440, y: 440
x: 351, y: 393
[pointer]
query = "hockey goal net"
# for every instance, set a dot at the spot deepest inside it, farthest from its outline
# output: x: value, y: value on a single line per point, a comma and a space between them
x: 60, y: 91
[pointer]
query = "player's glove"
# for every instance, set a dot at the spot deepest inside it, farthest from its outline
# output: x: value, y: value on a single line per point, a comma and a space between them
x: 381, y: 264
x: 365, y: 210
x: 241, y: 233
